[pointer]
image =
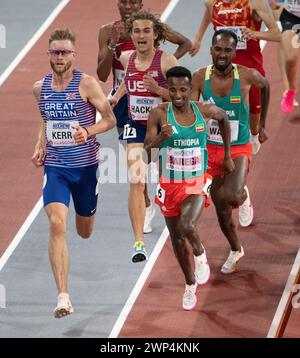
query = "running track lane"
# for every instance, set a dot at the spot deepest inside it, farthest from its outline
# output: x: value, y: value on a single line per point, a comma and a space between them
x: 20, y: 182
x: 242, y: 304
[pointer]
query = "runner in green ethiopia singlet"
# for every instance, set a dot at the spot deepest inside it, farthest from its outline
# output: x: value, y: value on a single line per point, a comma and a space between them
x: 236, y: 110
x: 184, y: 154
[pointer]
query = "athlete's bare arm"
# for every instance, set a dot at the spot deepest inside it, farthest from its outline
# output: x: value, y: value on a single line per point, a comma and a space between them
x: 91, y: 91
x: 206, y: 20
x: 124, y: 59
x: 184, y: 44
x: 254, y: 78
x: 38, y: 156
x: 105, y: 55
x: 260, y: 9
x: 157, y: 119
x: 211, y: 111
x: 197, y: 84
x: 275, y: 5
x: 276, y: 8
x: 167, y: 61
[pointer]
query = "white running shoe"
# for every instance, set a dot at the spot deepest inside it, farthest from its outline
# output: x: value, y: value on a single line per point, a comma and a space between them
x: 202, y: 270
x: 64, y: 306
x: 149, y: 215
x: 255, y: 143
x: 246, y: 211
x: 232, y: 260
x: 190, y: 298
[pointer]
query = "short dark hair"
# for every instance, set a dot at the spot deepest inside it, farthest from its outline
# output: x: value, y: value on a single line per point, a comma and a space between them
x: 179, y: 71
x: 227, y: 34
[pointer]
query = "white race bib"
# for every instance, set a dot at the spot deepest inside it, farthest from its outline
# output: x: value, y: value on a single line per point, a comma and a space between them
x: 242, y: 42
x: 119, y: 76
x: 184, y: 160
x: 160, y: 193
x: 129, y: 132
x: 60, y: 133
x: 140, y: 107
x: 293, y: 6
x: 214, y: 134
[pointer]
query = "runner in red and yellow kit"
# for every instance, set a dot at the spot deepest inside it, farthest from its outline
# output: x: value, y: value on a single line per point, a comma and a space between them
x: 245, y: 18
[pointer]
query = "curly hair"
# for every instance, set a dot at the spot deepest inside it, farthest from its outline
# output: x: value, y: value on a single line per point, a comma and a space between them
x: 158, y: 27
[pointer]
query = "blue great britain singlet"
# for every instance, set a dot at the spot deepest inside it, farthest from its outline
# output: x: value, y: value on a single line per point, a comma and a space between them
x: 61, y: 110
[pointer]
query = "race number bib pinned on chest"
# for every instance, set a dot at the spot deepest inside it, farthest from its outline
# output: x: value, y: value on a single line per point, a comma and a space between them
x: 60, y: 133
x: 119, y: 76
x: 140, y: 107
x: 293, y: 6
x: 184, y: 159
x: 160, y: 193
x: 214, y: 134
x: 242, y: 42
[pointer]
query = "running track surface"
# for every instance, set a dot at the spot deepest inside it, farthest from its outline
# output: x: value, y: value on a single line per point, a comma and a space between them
x: 239, y: 305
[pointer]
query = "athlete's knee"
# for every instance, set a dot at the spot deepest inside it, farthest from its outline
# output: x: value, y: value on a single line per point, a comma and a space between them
x: 57, y: 225
x: 187, y: 227
x: 85, y: 233
x: 236, y: 199
x: 137, y: 186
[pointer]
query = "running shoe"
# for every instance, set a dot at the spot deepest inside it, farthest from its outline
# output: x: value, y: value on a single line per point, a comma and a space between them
x: 190, y: 298
x: 287, y: 103
x: 64, y: 306
x: 232, y: 260
x: 149, y: 215
x: 246, y: 211
x: 139, y: 253
x: 202, y: 270
x: 255, y: 143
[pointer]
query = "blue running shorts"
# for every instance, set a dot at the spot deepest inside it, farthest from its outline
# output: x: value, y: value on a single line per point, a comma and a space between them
x: 121, y: 111
x: 81, y: 183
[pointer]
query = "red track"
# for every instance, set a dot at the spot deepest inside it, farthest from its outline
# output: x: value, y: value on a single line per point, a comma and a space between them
x: 239, y: 305
x: 242, y: 304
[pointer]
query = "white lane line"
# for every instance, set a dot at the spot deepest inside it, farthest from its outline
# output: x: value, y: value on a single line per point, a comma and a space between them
x: 285, y: 299
x: 32, y: 41
x: 171, y: 6
x: 157, y: 249
x: 16, y: 240
x: 139, y: 285
x: 22, y: 231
